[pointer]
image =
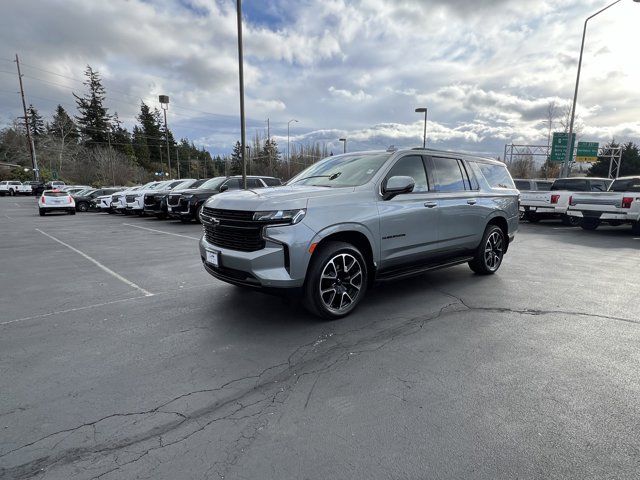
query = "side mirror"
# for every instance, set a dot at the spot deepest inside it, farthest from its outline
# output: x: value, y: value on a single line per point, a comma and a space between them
x: 224, y: 188
x: 398, y: 185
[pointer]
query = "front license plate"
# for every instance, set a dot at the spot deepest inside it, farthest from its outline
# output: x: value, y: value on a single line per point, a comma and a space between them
x: 212, y: 258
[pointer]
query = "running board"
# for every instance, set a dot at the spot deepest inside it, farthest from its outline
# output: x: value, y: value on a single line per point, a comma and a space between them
x: 412, y: 271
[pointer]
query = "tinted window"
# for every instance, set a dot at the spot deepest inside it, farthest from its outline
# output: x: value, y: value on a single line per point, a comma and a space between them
x: 626, y: 185
x: 448, y: 175
x: 55, y: 194
x: 411, y: 166
x: 523, y: 184
x: 497, y: 176
x: 543, y: 186
x: 573, y: 184
x: 254, y: 183
x: 469, y: 176
x: 598, y: 186
x: 272, y: 182
x: 233, y: 183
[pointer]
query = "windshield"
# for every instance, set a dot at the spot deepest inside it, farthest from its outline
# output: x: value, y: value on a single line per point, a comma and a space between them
x: 348, y: 170
x: 213, y: 184
x: 82, y: 192
x: 184, y: 185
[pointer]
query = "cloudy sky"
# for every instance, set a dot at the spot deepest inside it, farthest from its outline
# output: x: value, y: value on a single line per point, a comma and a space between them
x: 486, y: 69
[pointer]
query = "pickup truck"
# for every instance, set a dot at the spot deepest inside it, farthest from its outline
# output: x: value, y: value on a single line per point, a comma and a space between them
x: 553, y: 204
x: 10, y: 187
x: 621, y: 204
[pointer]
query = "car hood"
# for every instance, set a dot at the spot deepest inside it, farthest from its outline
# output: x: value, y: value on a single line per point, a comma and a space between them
x: 275, y: 198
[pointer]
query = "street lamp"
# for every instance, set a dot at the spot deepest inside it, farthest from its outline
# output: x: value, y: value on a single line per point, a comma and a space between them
x: 569, y: 152
x: 344, y: 144
x: 288, y: 145
x: 424, y: 135
x: 164, y: 103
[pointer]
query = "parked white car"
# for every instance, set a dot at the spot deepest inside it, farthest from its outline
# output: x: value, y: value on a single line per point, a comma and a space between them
x: 620, y: 205
x: 135, y: 200
x: 119, y: 201
x: 10, y: 187
x: 538, y: 206
x: 56, y: 201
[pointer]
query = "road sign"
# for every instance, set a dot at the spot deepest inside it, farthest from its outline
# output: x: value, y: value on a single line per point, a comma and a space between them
x: 54, y: 174
x: 559, y: 146
x: 587, y: 152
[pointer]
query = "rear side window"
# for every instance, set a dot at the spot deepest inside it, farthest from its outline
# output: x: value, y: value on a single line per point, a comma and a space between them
x: 522, y: 184
x: 56, y: 194
x: 626, y: 185
x: 253, y: 183
x: 598, y: 186
x: 272, y: 182
x: 543, y: 186
x: 233, y: 184
x: 497, y: 176
x: 411, y: 166
x: 450, y: 175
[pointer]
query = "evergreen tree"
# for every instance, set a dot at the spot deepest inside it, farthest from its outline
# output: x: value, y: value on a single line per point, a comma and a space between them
x: 235, y: 168
x: 62, y: 125
x: 36, y: 124
x: 140, y: 148
x: 120, y: 137
x: 93, y: 118
x: 151, y: 132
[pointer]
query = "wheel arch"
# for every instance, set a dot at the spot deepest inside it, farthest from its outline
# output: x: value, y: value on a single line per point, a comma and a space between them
x: 501, y: 222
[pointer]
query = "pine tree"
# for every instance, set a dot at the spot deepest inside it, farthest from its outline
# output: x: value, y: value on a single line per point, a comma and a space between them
x: 120, y: 137
x: 236, y: 160
x: 36, y: 124
x: 630, y: 161
x: 151, y: 132
x: 62, y: 125
x: 93, y: 118
x: 140, y: 148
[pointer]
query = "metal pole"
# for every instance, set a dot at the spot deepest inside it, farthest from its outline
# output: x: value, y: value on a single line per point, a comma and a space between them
x: 424, y: 136
x: 32, y: 150
x: 269, y: 146
x: 288, y: 152
x: 569, y: 153
x: 178, y: 161
x: 241, y: 81
x: 166, y: 136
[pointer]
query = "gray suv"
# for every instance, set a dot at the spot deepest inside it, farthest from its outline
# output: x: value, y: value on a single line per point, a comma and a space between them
x: 353, y: 219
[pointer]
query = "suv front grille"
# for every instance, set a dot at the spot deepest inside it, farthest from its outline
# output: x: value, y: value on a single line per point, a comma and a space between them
x: 130, y: 198
x: 232, y: 229
x: 149, y: 200
x: 173, y: 200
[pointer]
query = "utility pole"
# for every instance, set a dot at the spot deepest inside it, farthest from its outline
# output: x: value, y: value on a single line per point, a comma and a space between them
x: 32, y: 150
x: 178, y: 161
x: 241, y: 81
x: 269, y: 146
x: 164, y: 103
x: 113, y: 173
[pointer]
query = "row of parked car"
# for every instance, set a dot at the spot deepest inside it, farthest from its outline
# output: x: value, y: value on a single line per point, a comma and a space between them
x: 585, y: 201
x: 181, y: 199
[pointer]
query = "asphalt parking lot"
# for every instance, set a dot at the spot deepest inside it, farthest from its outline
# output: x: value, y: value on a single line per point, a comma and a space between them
x: 121, y: 358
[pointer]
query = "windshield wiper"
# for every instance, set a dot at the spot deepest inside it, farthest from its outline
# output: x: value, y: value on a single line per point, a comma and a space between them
x: 333, y: 176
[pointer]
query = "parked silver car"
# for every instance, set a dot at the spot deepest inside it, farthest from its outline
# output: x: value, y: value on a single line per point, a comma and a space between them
x: 352, y: 219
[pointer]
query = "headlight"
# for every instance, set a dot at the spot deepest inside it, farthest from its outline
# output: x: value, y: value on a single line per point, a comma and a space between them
x: 281, y: 216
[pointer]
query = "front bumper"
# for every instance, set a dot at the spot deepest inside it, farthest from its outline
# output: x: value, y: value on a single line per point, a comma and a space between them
x: 282, y: 264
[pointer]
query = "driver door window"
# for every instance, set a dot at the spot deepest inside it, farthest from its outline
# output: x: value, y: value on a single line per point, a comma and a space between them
x: 411, y: 166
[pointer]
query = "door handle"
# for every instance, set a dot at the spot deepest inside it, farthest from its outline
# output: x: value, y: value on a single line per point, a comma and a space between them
x: 472, y: 201
x: 430, y: 204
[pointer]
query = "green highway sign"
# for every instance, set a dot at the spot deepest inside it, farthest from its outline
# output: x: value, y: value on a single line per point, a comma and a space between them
x: 559, y: 146
x: 54, y: 174
x: 587, y: 152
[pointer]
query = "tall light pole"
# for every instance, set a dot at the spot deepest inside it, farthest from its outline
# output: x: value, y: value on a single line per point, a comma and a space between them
x: 344, y: 144
x: 241, y: 81
x: 288, y: 151
x: 164, y: 103
x: 569, y: 153
x: 424, y: 135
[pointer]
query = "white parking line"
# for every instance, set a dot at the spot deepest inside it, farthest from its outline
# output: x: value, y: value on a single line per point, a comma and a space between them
x: 160, y: 231
x: 42, y: 315
x: 146, y: 293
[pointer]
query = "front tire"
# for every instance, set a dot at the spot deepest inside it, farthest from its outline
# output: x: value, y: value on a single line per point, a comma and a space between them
x: 12, y: 193
x: 82, y: 207
x: 635, y: 228
x: 590, y: 223
x: 336, y: 281
x: 490, y: 252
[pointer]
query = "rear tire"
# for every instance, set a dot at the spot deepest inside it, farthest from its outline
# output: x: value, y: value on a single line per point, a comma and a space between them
x: 490, y: 252
x: 42, y: 212
x: 82, y: 207
x: 72, y: 212
x: 336, y: 280
x: 590, y: 223
x: 570, y: 220
x: 531, y: 217
x: 635, y: 228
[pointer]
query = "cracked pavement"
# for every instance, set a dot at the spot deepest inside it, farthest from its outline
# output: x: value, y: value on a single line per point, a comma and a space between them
x: 531, y: 373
